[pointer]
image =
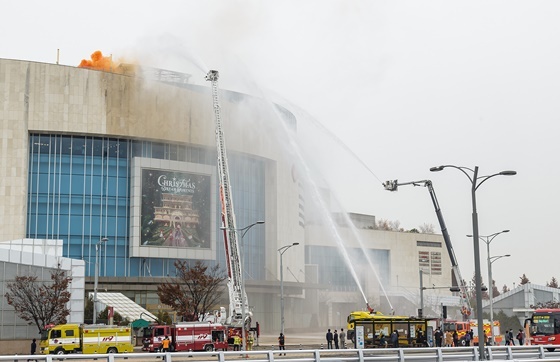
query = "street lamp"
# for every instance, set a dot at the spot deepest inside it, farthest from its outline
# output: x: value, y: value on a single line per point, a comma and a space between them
x: 242, y: 280
x: 488, y: 239
x: 96, y: 278
x: 476, y: 181
x: 490, y: 261
x: 281, y: 251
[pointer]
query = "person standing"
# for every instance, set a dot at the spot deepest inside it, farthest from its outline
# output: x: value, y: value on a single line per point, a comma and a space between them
x: 395, y: 339
x: 467, y: 339
x: 250, y: 341
x: 281, y: 344
x: 342, y: 337
x: 329, y: 337
x: 455, y: 339
x: 335, y: 339
x: 448, y: 339
x: 521, y: 337
x: 236, y: 343
x: 438, y: 336
x: 165, y: 344
x: 509, y: 340
x: 33, y: 347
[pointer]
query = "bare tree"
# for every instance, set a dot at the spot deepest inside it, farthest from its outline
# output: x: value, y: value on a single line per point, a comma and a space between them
x: 427, y: 228
x: 505, y: 289
x: 387, y: 225
x: 524, y: 279
x: 195, y: 290
x: 40, y: 303
x: 553, y: 283
x: 551, y: 304
x: 495, y: 291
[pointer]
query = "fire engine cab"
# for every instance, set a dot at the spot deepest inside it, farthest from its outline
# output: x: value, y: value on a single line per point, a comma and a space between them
x: 187, y: 336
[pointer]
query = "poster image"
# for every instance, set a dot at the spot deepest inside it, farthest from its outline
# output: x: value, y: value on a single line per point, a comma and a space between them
x: 176, y: 209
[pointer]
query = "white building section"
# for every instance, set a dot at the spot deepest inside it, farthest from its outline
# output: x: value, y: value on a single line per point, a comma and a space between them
x: 47, y: 254
x: 123, y: 305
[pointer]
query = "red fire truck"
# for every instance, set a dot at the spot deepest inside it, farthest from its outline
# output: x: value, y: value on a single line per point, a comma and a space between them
x: 187, y: 336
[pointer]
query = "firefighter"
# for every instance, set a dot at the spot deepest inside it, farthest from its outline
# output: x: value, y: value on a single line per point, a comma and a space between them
x: 236, y: 343
x: 250, y: 342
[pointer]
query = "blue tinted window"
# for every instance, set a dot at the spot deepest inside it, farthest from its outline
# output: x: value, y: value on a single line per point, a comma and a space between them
x: 79, y: 189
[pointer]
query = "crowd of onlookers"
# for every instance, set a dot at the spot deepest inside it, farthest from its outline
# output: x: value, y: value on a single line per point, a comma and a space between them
x: 339, y: 339
x: 451, y: 339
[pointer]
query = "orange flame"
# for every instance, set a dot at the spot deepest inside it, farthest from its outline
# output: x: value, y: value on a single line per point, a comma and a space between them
x: 99, y: 62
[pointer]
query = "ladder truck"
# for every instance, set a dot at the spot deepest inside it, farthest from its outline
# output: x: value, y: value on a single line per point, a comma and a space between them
x: 239, y: 317
x: 393, y: 186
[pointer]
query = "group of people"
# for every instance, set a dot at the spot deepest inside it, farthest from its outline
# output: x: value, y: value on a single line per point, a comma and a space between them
x: 451, y: 339
x: 510, y: 341
x: 336, y: 338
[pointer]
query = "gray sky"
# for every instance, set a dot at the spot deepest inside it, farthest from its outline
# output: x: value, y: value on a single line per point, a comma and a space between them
x: 405, y: 85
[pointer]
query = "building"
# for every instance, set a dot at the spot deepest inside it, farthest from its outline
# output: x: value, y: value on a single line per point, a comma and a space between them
x: 131, y: 157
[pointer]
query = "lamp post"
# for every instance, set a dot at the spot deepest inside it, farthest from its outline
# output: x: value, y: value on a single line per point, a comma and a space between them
x: 490, y: 261
x: 476, y: 181
x: 96, y: 277
x: 281, y: 251
x: 488, y: 239
x: 242, y: 280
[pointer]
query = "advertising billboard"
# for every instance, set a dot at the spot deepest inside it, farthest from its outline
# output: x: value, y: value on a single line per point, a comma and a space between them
x: 173, y: 210
x: 176, y: 209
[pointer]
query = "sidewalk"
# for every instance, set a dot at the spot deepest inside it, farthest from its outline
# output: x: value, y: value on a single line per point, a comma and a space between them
x: 293, y: 341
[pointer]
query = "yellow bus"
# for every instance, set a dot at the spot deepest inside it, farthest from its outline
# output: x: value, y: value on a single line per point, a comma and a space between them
x: 377, y: 328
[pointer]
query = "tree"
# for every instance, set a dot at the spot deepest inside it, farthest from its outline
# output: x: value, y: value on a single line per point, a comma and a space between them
x: 387, y: 225
x: 507, y: 322
x: 524, y: 279
x: 472, y: 293
x: 427, y: 228
x: 195, y: 290
x: 505, y: 289
x: 553, y: 283
x: 163, y: 317
x: 118, y: 319
x: 40, y: 303
x: 551, y: 304
x: 88, y: 309
x: 495, y: 291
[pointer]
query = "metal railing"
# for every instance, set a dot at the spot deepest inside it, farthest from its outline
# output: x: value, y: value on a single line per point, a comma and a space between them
x: 518, y: 353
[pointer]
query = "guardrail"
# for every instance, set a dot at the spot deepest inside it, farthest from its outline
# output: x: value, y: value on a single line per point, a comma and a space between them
x: 330, y: 355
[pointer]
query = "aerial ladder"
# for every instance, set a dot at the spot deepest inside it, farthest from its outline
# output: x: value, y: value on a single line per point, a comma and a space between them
x: 393, y: 186
x: 239, y: 314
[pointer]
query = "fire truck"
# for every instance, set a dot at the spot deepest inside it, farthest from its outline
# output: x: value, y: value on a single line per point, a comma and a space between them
x: 462, y: 327
x: 187, y: 336
x: 240, y: 316
x: 88, y: 339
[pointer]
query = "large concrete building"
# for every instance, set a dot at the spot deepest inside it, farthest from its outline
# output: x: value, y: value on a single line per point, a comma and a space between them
x: 131, y: 157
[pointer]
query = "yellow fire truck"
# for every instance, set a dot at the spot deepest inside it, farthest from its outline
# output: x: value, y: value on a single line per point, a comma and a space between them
x: 88, y: 339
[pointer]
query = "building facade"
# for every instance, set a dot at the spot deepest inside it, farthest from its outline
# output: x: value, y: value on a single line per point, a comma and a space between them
x: 88, y: 155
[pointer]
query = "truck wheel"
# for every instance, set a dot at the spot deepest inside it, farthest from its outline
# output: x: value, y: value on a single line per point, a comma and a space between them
x: 550, y: 349
x: 59, y: 351
x: 209, y: 348
x: 112, y: 350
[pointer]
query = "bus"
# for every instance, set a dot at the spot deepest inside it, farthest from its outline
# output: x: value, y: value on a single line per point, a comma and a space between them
x: 377, y: 328
x: 545, y: 327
